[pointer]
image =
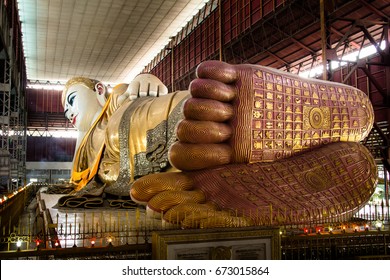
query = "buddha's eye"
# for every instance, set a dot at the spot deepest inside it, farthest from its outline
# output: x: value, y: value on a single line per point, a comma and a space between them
x: 71, y: 98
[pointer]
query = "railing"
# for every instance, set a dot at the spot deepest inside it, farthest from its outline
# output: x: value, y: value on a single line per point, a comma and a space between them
x: 126, y: 233
x: 347, y: 246
x: 344, y: 246
x: 114, y: 234
x: 101, y: 229
x: 120, y: 227
x: 128, y: 252
x: 80, y: 228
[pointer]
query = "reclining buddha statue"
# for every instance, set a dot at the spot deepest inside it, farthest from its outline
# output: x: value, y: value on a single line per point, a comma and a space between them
x: 243, y: 143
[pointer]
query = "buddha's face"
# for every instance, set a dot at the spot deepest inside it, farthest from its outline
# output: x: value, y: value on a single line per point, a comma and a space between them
x: 81, y: 106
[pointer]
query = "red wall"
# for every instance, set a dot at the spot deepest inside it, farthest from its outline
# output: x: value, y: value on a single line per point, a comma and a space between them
x: 50, y: 149
x: 43, y: 100
x: 202, y: 43
x: 44, y: 108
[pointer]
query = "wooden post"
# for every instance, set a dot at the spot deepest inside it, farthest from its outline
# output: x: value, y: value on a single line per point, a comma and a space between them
x: 323, y: 39
x: 220, y: 30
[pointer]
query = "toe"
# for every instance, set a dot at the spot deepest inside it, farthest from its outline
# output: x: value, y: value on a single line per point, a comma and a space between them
x: 179, y: 212
x: 212, y: 89
x: 202, y: 132
x: 186, y: 156
x: 217, y: 70
x: 164, y: 201
x: 202, y: 109
x: 146, y: 187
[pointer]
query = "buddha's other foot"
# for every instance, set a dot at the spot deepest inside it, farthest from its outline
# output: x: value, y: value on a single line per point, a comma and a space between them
x: 329, y: 181
x: 251, y: 113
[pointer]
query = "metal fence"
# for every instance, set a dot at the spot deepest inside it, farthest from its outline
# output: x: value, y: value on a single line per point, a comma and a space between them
x: 357, y: 245
x: 343, y: 246
x: 124, y: 233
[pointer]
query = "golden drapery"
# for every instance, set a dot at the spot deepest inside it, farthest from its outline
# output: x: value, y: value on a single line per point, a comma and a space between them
x: 145, y: 126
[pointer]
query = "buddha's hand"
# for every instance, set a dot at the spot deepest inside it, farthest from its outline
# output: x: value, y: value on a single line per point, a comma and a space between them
x: 146, y: 85
x: 250, y: 113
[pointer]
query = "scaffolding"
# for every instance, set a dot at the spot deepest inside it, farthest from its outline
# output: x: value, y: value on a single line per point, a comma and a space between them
x: 12, y: 109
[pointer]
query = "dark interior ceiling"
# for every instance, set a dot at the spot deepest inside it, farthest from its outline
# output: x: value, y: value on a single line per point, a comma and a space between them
x: 290, y: 39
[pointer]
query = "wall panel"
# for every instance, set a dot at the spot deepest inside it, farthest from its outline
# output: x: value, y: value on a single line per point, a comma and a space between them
x: 44, y: 100
x: 50, y: 149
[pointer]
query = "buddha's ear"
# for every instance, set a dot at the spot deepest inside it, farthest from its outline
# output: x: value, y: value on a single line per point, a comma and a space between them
x: 101, y: 90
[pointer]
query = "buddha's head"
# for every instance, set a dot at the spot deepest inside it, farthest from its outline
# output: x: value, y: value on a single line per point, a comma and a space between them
x: 82, y: 99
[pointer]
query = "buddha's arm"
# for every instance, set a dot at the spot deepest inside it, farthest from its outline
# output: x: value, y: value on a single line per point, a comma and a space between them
x: 138, y: 136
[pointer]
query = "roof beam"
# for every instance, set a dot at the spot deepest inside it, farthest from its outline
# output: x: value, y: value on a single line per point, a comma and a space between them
x: 373, y: 9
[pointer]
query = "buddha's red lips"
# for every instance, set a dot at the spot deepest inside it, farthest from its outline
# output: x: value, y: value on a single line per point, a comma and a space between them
x: 74, y: 120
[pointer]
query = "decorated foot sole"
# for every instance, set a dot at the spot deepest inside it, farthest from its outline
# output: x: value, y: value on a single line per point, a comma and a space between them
x: 249, y: 113
x: 330, y: 181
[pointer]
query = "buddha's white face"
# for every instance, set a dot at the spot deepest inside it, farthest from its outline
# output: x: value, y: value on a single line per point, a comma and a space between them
x: 81, y: 106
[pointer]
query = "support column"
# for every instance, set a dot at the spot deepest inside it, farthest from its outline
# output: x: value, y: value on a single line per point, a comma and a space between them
x: 325, y: 39
x: 5, y: 112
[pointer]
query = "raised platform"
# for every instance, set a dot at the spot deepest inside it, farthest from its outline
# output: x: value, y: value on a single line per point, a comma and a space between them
x: 68, y: 227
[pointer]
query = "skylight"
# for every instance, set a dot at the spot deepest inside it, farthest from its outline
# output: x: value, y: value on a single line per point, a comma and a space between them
x: 351, y: 57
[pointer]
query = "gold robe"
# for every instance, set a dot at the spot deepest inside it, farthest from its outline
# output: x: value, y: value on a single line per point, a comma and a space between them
x: 128, y: 141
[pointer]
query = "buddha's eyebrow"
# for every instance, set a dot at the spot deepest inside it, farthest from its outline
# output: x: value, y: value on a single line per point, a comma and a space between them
x: 68, y: 99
